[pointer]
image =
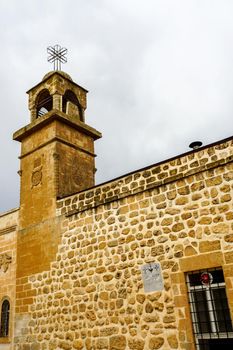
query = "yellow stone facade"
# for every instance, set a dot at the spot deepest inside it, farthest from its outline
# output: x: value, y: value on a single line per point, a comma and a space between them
x: 76, y: 250
x: 8, y: 228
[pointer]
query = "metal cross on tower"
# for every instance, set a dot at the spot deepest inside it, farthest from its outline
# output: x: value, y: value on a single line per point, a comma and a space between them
x: 57, y: 56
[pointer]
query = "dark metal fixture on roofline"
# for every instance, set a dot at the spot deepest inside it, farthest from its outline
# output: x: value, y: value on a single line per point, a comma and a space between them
x: 195, y: 144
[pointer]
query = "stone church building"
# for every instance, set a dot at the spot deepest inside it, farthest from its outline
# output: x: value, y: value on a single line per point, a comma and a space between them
x: 142, y: 262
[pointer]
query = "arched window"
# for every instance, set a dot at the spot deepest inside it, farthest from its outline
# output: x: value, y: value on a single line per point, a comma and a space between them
x: 44, y: 103
x: 5, y: 316
x: 70, y: 104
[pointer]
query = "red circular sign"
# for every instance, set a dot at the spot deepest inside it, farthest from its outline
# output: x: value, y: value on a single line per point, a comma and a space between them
x: 206, y: 278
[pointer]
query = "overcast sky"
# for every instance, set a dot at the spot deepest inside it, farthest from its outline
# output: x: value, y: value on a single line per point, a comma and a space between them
x: 159, y: 75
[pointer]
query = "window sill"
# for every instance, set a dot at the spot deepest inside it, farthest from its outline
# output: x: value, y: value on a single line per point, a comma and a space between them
x: 5, y: 340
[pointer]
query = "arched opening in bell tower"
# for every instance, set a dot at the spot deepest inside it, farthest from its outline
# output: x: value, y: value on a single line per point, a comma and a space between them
x: 44, y: 103
x: 71, y: 106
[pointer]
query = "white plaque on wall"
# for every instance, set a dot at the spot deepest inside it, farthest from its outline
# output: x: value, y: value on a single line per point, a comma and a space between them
x: 152, y: 277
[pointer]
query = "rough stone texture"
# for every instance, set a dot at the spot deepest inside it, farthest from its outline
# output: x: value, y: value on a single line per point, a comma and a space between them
x: 117, y: 342
x: 156, y: 343
x: 8, y: 227
x: 136, y: 344
x: 95, y: 282
x: 173, y: 342
x: 79, y: 283
x: 57, y: 159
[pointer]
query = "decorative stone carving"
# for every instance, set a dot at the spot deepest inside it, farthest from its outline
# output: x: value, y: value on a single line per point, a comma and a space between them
x: 5, y: 260
x: 36, y: 177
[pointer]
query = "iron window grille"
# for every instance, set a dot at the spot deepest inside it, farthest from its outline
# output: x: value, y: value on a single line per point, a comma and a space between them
x: 212, y: 325
x: 5, y: 316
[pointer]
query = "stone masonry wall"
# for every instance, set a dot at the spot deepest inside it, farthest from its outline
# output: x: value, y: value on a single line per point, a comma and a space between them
x: 8, y: 226
x: 178, y: 213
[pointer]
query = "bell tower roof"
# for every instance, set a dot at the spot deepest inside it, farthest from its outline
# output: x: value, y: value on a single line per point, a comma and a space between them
x: 64, y: 74
x: 57, y: 72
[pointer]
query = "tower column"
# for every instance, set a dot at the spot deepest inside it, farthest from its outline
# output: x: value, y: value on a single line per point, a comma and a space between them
x: 57, y: 102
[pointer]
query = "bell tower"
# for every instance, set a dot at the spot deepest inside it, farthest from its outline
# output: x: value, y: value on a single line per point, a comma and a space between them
x: 57, y: 159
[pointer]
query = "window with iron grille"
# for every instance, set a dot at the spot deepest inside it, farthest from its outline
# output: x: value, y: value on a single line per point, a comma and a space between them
x: 5, y: 316
x: 212, y: 325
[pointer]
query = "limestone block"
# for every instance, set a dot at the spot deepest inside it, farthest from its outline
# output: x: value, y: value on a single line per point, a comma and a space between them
x: 166, y: 221
x: 178, y: 227
x: 78, y: 344
x: 148, y: 308
x: 136, y: 344
x: 156, y: 343
x: 102, y: 343
x: 229, y: 257
x: 117, y: 342
x: 229, y: 238
x: 221, y: 228
x: 189, y: 250
x: 208, y: 246
x: 173, y: 342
